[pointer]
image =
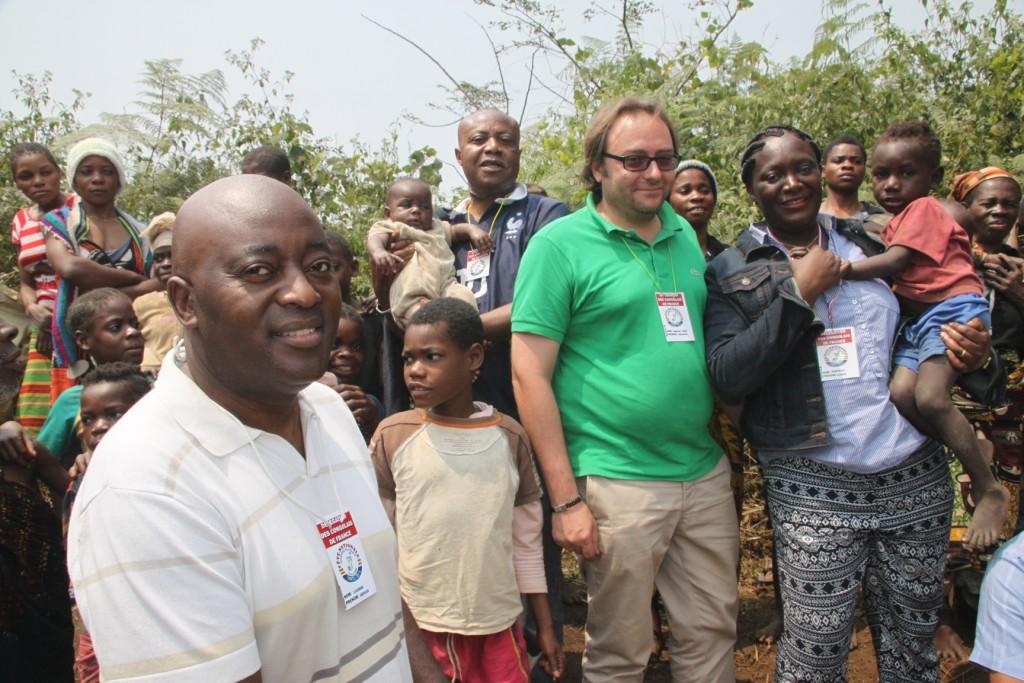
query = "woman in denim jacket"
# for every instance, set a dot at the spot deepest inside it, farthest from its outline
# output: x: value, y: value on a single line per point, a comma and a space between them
x: 855, y: 493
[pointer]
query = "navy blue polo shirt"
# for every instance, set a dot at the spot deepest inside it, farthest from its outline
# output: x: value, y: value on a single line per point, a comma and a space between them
x: 512, y: 221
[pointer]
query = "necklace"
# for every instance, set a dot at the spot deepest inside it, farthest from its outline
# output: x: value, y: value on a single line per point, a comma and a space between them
x: 797, y: 251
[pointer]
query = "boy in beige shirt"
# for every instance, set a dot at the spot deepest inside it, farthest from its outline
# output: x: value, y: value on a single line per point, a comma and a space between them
x: 458, y: 480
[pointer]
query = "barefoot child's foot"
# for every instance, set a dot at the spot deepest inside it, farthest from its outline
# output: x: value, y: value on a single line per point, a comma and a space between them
x: 992, y: 506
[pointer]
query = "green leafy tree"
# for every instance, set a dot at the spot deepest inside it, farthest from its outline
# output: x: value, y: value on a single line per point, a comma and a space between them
x: 182, y: 131
x: 962, y: 72
x: 42, y: 119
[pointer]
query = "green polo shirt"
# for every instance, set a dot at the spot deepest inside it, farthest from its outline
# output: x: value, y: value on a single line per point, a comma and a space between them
x: 633, y: 405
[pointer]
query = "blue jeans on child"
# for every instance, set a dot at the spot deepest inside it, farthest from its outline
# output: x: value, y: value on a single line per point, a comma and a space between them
x: 920, y: 338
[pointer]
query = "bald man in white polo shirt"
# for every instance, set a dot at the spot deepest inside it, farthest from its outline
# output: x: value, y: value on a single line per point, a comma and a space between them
x: 229, y: 526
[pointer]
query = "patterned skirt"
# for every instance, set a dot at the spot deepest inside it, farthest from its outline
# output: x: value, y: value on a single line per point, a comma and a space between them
x: 36, y: 633
x: 34, y: 396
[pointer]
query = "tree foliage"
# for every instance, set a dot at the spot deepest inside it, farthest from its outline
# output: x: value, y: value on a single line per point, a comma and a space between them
x: 182, y: 131
x: 963, y: 71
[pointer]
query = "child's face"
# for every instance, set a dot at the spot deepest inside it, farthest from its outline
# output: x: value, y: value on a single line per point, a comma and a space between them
x: 438, y: 372
x: 103, y: 404
x: 410, y: 203
x: 347, y: 354
x: 38, y: 179
x: 900, y: 173
x: 162, y: 264
x: 113, y: 334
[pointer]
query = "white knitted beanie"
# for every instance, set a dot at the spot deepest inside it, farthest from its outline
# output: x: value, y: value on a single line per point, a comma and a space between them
x: 97, y: 147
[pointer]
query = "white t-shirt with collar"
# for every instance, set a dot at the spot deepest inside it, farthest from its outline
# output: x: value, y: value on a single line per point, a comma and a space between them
x: 190, y: 563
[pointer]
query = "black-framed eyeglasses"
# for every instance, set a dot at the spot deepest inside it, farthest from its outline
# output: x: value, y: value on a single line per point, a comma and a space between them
x: 641, y: 162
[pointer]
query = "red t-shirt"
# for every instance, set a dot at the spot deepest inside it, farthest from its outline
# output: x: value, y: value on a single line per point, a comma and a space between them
x: 941, y: 265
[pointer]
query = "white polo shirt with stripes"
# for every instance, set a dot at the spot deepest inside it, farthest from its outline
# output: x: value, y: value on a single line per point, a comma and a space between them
x: 195, y: 556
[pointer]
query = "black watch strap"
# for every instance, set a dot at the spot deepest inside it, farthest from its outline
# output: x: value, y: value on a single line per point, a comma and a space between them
x: 566, y: 505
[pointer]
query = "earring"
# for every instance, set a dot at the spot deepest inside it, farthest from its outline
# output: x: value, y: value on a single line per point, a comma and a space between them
x: 79, y: 368
x: 179, y: 352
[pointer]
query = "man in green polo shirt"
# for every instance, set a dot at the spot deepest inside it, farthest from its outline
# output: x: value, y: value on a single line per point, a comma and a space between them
x: 610, y: 378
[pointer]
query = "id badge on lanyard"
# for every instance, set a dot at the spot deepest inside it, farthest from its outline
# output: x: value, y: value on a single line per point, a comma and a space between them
x: 478, y: 266
x: 837, y: 354
x: 347, y: 557
x: 675, y: 316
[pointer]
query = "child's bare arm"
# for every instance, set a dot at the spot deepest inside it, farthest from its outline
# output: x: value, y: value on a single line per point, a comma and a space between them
x: 891, y: 262
x: 553, y: 658
x: 384, y: 262
x: 528, y: 559
x: 474, y: 234
x: 21, y: 458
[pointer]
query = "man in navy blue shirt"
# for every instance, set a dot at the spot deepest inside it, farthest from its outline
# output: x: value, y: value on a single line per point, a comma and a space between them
x: 488, y: 152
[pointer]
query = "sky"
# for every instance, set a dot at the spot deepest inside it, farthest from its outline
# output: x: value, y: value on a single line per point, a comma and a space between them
x: 352, y: 77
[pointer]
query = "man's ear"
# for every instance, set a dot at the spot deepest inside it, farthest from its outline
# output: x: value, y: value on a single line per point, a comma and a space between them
x: 458, y: 155
x: 595, y: 170
x: 179, y: 291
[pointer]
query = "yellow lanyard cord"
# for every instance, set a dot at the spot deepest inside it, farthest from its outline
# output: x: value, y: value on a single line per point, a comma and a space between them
x: 490, y: 228
x: 675, y: 285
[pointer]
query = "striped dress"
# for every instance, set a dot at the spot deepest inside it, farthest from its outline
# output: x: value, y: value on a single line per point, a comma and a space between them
x: 74, y: 229
x: 35, y: 394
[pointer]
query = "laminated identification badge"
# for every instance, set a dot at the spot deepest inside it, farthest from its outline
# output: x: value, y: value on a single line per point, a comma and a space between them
x: 837, y: 354
x: 478, y: 266
x: 675, y: 316
x: 348, y: 558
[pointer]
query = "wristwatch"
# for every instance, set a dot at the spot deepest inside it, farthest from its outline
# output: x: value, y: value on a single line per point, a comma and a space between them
x: 566, y: 505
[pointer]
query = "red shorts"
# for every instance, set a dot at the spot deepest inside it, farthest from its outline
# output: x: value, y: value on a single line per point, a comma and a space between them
x: 494, y: 658
x: 87, y: 668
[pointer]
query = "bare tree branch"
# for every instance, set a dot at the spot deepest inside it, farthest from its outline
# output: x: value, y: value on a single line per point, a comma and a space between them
x: 497, y: 60
x: 458, y: 169
x: 553, y: 92
x: 557, y: 45
x: 621, y: 19
x: 714, y: 39
x: 625, y: 25
x: 469, y: 98
x: 529, y: 84
x: 420, y: 122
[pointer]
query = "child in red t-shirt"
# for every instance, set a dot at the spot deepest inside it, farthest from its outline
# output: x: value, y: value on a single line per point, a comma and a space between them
x: 932, y: 270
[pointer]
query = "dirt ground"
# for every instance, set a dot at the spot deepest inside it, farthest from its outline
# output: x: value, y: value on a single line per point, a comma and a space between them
x: 755, y: 662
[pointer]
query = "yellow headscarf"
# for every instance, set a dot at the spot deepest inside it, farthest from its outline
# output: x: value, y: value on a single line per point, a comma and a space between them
x: 965, y: 183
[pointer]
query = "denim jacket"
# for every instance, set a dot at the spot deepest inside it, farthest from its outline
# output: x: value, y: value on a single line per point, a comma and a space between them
x: 760, y: 341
